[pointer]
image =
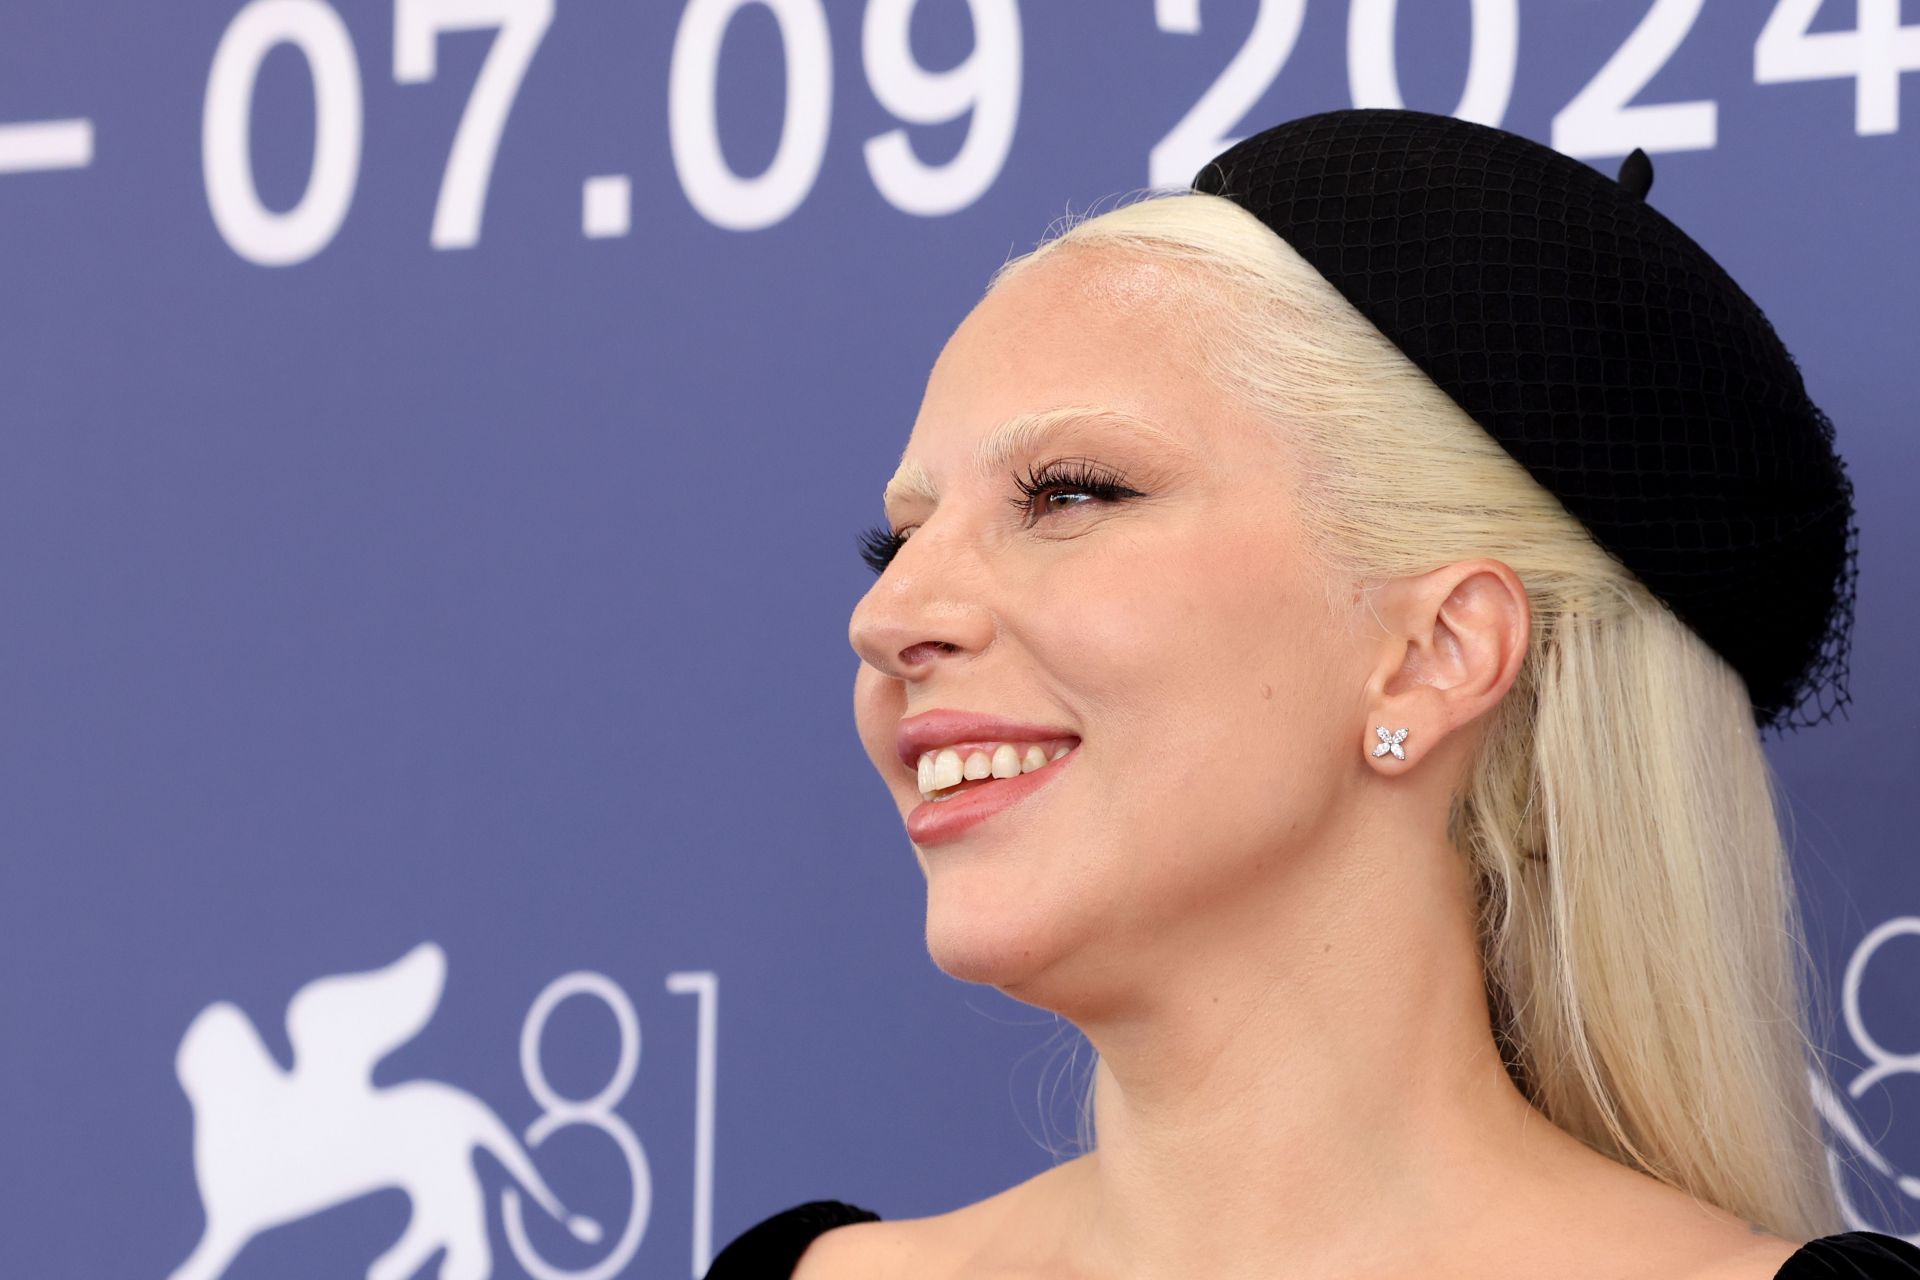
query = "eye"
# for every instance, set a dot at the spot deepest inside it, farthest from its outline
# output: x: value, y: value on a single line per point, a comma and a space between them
x: 1069, y: 476
x: 879, y: 545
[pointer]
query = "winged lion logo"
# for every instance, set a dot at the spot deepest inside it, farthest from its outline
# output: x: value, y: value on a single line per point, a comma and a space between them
x: 271, y: 1146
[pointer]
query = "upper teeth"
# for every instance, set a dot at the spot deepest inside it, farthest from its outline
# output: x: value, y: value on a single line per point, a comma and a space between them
x: 948, y: 768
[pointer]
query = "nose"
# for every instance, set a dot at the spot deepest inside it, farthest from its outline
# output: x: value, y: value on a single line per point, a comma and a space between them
x: 929, y: 604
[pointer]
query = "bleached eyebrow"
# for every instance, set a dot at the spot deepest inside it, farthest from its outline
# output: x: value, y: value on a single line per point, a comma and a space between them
x: 1016, y: 437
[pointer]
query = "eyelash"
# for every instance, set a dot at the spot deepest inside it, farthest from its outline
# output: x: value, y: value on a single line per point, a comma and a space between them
x: 878, y: 545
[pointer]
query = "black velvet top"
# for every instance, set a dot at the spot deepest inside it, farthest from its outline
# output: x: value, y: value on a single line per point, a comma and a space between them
x: 770, y: 1249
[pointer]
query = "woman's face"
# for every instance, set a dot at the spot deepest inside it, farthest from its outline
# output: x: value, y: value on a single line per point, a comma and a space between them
x: 1182, y: 635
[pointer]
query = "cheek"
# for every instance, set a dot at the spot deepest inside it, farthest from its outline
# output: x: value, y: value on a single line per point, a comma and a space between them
x: 1196, y: 638
x: 1216, y: 683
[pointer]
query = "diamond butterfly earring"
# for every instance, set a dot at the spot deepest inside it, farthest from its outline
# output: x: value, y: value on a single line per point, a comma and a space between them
x: 1390, y: 742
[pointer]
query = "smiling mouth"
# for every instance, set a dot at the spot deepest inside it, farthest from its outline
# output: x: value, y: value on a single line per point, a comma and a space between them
x: 1060, y: 749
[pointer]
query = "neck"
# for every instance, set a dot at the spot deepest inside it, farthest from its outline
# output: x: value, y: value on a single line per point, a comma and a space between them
x: 1317, y: 1083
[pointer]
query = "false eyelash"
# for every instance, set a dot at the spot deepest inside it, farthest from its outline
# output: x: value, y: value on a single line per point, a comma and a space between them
x: 879, y: 545
x: 1070, y: 475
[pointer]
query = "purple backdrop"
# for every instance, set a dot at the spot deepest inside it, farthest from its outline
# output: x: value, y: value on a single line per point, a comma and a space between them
x: 409, y: 545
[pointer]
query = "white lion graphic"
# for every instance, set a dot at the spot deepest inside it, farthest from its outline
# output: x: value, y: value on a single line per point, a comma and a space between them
x: 272, y: 1146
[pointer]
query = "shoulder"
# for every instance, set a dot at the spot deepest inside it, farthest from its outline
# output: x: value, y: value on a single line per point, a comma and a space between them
x: 1850, y: 1255
x: 868, y: 1251
x: 1856, y: 1255
x: 772, y: 1248
x: 972, y: 1240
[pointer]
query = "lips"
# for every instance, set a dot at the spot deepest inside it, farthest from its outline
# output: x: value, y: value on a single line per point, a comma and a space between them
x: 935, y: 822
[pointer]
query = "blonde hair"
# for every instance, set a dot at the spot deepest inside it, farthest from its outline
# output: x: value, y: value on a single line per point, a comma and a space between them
x: 1645, y: 959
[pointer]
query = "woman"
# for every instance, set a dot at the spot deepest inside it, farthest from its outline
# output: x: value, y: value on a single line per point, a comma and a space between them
x: 1325, y: 624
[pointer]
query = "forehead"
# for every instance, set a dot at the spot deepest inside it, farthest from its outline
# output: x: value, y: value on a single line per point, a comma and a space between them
x: 1091, y: 344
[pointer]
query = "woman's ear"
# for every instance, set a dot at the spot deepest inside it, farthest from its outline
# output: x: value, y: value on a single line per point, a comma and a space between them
x: 1454, y: 642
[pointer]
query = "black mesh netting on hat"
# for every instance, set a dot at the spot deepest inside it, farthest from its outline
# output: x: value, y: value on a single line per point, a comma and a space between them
x: 1606, y: 351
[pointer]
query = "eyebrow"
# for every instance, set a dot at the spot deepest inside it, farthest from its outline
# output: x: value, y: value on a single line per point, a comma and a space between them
x: 1019, y: 435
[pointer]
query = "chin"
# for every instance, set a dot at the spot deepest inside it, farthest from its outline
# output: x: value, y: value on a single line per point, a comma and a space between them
x: 985, y: 931
x: 992, y: 943
x: 986, y: 968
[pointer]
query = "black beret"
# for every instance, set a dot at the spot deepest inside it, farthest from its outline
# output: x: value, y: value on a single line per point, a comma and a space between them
x: 1606, y: 351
